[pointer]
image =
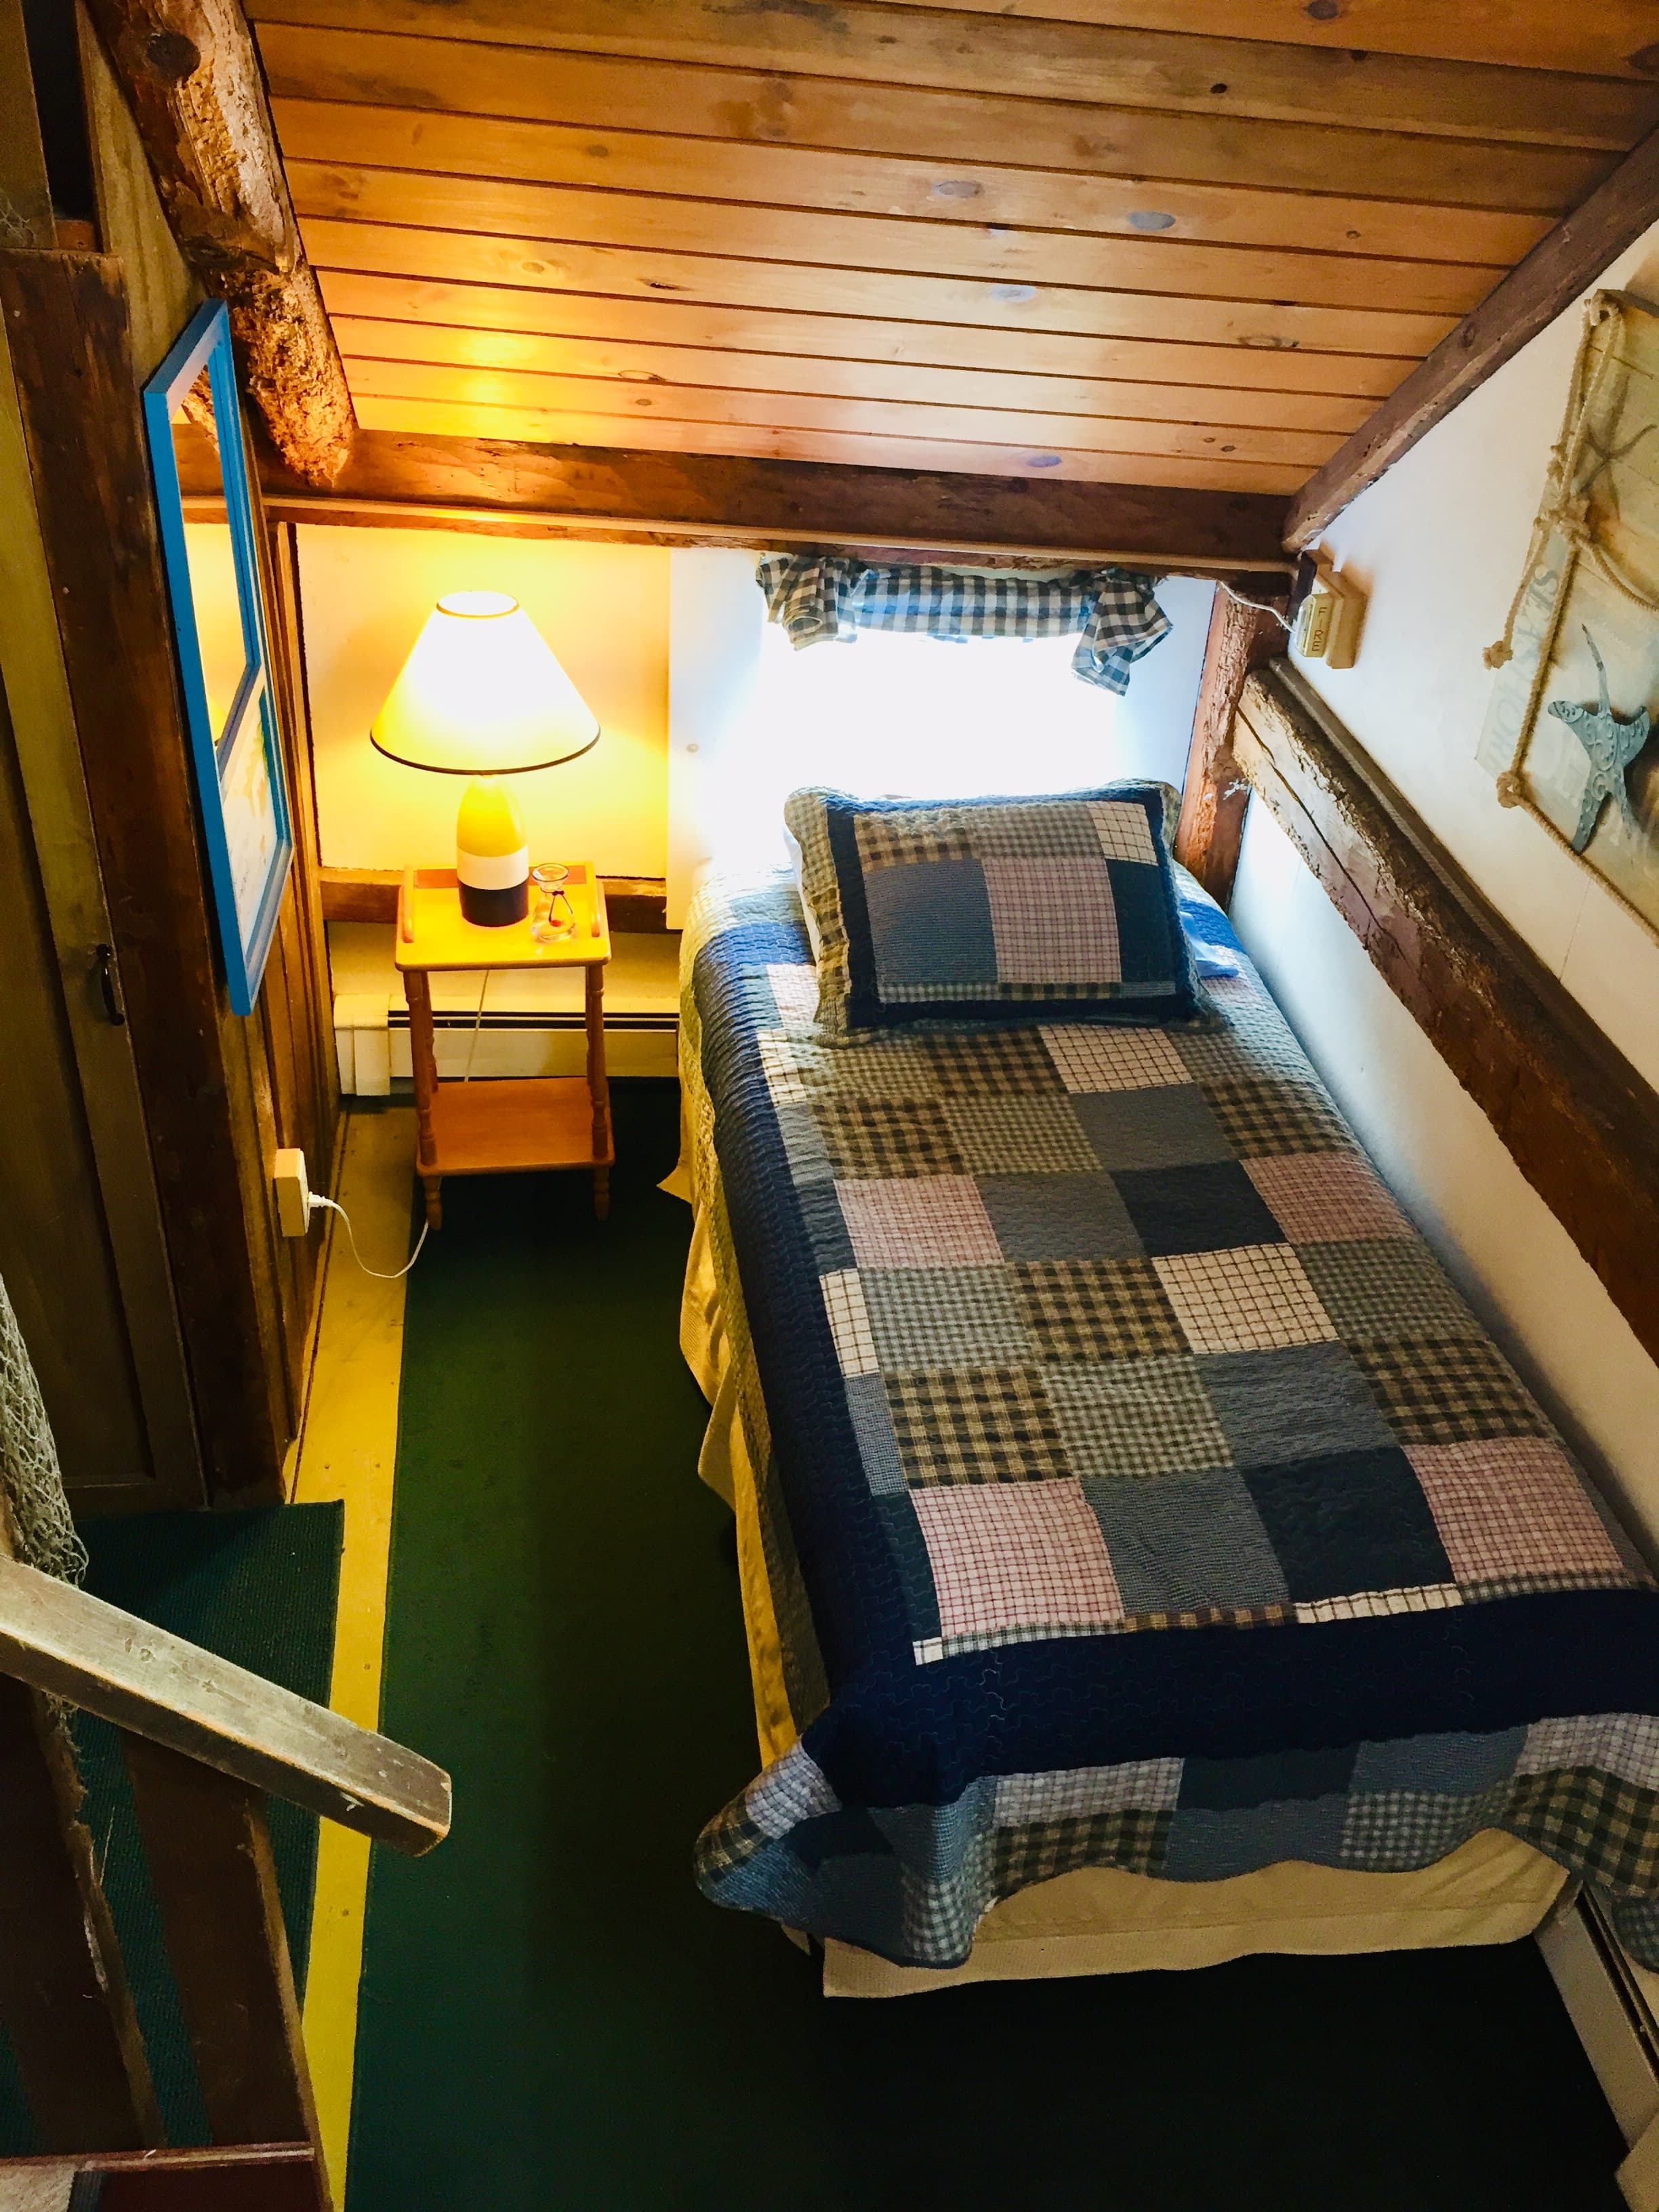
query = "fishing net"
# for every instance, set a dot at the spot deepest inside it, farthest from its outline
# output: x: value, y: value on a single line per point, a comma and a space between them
x: 43, y: 1534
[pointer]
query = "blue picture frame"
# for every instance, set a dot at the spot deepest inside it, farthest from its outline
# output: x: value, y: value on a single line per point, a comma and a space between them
x: 240, y: 784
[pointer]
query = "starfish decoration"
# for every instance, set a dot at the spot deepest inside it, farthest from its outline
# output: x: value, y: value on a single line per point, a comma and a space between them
x: 1611, y: 744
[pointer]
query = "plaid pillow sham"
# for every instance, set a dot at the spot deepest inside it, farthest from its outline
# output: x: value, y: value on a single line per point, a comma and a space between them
x: 1059, y: 908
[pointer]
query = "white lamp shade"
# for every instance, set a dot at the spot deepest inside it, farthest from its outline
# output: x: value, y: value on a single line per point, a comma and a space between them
x: 482, y: 693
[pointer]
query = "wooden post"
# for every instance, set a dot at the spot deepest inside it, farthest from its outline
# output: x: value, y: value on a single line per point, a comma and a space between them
x: 423, y: 1060
x: 1213, y: 804
x: 209, y: 1847
x: 63, y: 1995
x: 598, y: 1083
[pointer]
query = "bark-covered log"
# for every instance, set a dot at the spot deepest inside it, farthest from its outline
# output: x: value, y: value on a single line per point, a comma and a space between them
x: 189, y: 70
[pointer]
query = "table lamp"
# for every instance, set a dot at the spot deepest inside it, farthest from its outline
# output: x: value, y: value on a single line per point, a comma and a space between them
x: 481, y: 696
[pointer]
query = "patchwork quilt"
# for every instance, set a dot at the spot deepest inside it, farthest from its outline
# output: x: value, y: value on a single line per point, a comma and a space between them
x: 1135, y: 1489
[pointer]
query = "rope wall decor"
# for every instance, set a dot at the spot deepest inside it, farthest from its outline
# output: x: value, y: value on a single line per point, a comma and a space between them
x: 1578, y: 513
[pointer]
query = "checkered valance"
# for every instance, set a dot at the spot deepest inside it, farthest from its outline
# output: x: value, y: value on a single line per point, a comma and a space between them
x: 815, y: 598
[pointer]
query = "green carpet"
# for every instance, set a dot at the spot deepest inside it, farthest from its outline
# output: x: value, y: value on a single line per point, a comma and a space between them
x: 552, y: 2016
x: 259, y: 1588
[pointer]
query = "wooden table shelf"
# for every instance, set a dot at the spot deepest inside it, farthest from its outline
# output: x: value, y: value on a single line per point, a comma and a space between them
x: 504, y: 1128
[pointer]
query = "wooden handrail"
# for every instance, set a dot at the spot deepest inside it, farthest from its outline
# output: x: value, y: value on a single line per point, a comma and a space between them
x: 59, y: 1639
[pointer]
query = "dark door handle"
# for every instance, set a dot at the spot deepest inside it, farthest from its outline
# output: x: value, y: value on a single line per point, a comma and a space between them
x: 109, y: 983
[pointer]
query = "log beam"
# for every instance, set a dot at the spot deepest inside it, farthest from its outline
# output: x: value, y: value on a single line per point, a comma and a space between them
x: 401, y: 479
x: 1559, y: 268
x: 1577, y: 1119
x: 189, y: 70
x: 1215, y: 793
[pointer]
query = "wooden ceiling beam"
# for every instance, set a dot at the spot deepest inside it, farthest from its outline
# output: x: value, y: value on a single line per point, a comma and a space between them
x: 409, y: 479
x: 190, y: 72
x: 1543, y: 286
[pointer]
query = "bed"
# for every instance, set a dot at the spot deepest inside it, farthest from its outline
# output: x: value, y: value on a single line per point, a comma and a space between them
x: 1033, y: 1695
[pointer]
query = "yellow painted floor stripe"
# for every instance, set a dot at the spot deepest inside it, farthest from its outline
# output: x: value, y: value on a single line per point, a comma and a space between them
x: 348, y: 1452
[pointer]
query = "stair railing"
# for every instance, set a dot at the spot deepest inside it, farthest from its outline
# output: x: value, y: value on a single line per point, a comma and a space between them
x: 205, y: 1743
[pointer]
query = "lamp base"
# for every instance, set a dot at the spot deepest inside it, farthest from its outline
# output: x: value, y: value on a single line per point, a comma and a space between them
x: 489, y: 910
x: 492, y: 858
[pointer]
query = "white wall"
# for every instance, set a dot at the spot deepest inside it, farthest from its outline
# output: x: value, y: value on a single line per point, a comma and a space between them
x: 750, y: 719
x: 1439, y: 543
x: 604, y: 609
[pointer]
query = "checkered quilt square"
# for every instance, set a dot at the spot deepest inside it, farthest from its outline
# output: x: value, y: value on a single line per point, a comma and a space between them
x: 1623, y: 1744
x: 794, y: 993
x: 1321, y: 1196
x: 1259, y: 1115
x: 1385, y: 1289
x: 1123, y: 832
x: 1017, y: 1556
x: 988, y: 1063
x: 1028, y: 1135
x: 868, y: 1139
x: 1059, y: 1216
x: 1055, y: 922
x: 1097, y: 1310
x: 1146, y: 1416
x: 1250, y: 1299
x: 1113, y: 1060
x: 1445, y: 1391
x: 923, y: 1221
x: 944, y: 1317
x: 913, y: 837
x: 978, y: 1425
x: 1133, y: 1839
x: 1040, y: 830
x: 1512, y: 1515
x: 849, y: 1321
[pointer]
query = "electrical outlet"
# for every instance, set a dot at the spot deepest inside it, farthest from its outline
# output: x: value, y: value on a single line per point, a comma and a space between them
x: 1329, y: 623
x: 287, y: 1173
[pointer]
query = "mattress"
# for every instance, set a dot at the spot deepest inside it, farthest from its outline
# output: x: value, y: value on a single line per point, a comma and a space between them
x: 1235, y: 1553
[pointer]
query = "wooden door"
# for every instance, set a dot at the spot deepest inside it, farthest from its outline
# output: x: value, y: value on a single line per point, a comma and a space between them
x: 82, y: 1247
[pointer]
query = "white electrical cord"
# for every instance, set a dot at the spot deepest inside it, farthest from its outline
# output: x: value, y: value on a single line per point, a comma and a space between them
x: 378, y: 1273
x: 1260, y: 606
x: 477, y: 1023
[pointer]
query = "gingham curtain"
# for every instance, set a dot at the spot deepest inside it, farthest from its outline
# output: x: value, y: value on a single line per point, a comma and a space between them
x: 818, y: 598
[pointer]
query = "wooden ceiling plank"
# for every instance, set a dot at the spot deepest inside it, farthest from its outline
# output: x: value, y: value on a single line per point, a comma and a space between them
x: 1545, y: 285
x: 1614, y: 37
x: 632, y: 404
x: 500, y: 208
x: 975, y: 193
x: 957, y: 50
x: 398, y: 250
x: 741, y: 332
x: 770, y: 107
x: 493, y: 484
x: 536, y: 427
x: 364, y: 338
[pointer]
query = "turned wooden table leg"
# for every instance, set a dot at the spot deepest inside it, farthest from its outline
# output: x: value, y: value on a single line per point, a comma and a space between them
x: 423, y: 1060
x: 598, y: 1088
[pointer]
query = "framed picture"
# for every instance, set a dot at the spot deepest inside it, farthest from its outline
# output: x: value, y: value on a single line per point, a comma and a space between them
x: 1572, y: 731
x: 193, y: 418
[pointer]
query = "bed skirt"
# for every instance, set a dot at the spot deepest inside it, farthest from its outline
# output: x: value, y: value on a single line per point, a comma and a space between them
x: 1099, y: 1920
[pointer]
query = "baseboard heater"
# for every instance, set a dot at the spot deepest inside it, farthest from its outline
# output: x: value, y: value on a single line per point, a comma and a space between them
x: 371, y: 1038
x: 1612, y: 2005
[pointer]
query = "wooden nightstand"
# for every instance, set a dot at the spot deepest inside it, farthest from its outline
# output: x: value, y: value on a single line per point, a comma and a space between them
x: 501, y: 1127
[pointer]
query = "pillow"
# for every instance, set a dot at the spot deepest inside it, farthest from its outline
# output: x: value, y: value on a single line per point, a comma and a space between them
x: 1058, y: 908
